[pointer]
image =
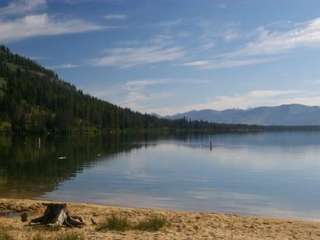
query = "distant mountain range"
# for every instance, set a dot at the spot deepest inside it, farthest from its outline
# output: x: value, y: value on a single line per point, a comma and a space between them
x: 285, y: 115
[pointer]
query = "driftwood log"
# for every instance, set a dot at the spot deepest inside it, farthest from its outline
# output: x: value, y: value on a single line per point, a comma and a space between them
x: 57, y: 214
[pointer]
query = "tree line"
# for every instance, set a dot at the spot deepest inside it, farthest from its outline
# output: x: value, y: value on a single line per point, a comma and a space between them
x: 34, y: 99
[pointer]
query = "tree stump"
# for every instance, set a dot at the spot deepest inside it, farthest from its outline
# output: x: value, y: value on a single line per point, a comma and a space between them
x: 57, y: 214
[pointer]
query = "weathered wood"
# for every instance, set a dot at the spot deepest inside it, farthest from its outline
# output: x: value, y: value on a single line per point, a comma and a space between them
x: 57, y: 214
x: 24, y: 217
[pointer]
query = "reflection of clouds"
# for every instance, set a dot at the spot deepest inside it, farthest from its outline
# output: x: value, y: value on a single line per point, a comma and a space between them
x: 259, y: 158
x: 261, y: 179
x: 266, y: 158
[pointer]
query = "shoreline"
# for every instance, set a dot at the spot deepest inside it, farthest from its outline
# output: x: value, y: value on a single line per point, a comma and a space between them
x: 182, y: 224
x: 127, y: 206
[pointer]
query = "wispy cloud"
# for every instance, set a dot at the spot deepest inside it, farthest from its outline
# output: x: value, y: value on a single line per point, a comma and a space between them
x: 305, y: 34
x: 230, y: 35
x: 225, y: 63
x: 42, y: 25
x: 18, y: 7
x: 22, y: 19
x: 141, y: 95
x: 168, y: 23
x: 265, y: 46
x: 146, y: 95
x: 143, y: 83
x: 116, y: 17
x: 252, y: 99
x: 133, y: 56
x: 64, y: 66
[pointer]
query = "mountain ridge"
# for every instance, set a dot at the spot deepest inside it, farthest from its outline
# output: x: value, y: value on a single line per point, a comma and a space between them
x: 281, y: 115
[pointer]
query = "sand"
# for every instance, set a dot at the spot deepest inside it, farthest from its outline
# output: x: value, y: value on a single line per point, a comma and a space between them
x: 183, y: 225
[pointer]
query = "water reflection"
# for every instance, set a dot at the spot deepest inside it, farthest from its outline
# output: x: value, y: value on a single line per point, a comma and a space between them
x: 32, y: 166
x: 268, y: 174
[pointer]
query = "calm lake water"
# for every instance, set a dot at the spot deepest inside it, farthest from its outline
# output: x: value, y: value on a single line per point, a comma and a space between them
x: 275, y: 174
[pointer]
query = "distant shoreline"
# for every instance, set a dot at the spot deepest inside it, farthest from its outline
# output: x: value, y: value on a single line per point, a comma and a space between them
x: 181, y: 225
x: 234, y: 128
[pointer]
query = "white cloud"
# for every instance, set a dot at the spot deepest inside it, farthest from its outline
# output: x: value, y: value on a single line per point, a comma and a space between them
x: 224, y: 63
x: 116, y: 17
x: 138, y: 94
x: 264, y: 47
x: 42, y: 25
x: 253, y: 99
x: 133, y: 56
x: 169, y: 23
x: 198, y: 63
x: 143, y: 83
x: 145, y: 95
x: 64, y: 66
x: 22, y: 7
x: 306, y: 34
x: 231, y: 35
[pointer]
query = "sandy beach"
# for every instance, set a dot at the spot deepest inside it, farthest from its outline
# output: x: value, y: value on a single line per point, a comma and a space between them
x: 182, y: 225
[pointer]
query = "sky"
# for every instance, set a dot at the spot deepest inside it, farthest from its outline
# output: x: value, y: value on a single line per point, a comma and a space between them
x: 170, y: 56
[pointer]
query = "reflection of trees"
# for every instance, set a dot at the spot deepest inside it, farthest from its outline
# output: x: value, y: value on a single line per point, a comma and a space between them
x: 29, y: 168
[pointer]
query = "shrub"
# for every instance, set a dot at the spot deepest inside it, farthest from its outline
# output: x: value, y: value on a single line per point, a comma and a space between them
x: 152, y: 224
x: 116, y: 223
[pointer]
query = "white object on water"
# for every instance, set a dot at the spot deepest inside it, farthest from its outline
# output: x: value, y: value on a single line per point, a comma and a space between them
x: 62, y: 157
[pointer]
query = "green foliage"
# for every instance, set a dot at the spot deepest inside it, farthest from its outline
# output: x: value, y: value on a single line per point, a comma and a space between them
x: 5, y: 126
x: 2, y: 86
x: 152, y: 224
x: 114, y: 223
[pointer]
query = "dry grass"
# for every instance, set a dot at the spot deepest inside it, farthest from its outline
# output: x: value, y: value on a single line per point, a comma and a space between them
x: 64, y: 236
x: 70, y: 236
x: 152, y: 224
x: 121, y: 224
x: 4, y: 235
x: 115, y: 223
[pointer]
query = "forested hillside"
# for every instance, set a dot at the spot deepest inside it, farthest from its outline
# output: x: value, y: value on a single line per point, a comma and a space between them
x: 34, y: 99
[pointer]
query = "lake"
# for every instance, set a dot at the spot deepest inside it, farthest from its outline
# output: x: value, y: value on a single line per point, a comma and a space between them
x: 273, y: 174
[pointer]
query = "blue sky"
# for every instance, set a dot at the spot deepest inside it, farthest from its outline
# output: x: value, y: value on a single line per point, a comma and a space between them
x: 169, y: 56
